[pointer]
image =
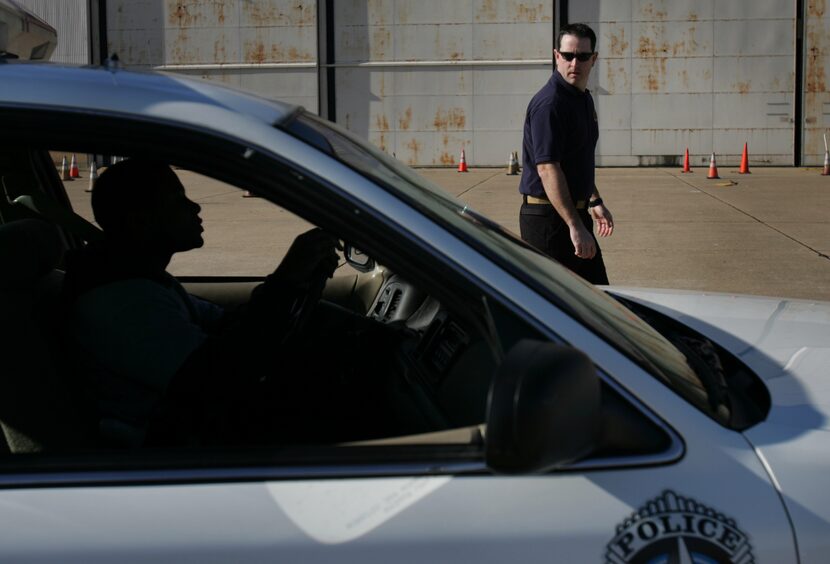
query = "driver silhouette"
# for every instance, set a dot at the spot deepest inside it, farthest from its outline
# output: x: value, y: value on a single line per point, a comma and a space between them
x: 164, y: 367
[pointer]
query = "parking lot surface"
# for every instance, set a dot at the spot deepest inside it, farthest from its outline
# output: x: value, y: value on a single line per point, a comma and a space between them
x: 765, y: 233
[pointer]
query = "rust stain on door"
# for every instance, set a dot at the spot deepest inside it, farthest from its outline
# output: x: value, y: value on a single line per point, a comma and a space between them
x: 254, y: 52
x: 530, y: 13
x: 405, y: 120
x: 616, y: 77
x: 617, y: 44
x: 654, y: 77
x: 381, y: 122
x: 815, y: 79
x: 817, y: 45
x: 454, y: 118
x: 514, y: 11
x: 445, y: 158
x: 381, y: 41
x: 415, y: 147
x: 179, y: 14
x: 259, y: 51
x: 649, y: 12
x: 285, y: 13
x: 195, y: 13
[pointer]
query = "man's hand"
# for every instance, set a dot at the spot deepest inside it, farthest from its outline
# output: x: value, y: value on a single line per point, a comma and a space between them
x: 602, y: 217
x: 312, y: 256
x: 583, y: 241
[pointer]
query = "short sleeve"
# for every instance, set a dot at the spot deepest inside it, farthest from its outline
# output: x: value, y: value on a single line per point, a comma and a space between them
x: 547, y: 136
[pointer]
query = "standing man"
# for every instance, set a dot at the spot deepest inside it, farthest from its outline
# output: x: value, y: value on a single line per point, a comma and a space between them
x: 560, y: 199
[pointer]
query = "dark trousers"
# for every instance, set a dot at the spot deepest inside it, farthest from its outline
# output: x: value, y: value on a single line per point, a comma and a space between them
x: 542, y: 227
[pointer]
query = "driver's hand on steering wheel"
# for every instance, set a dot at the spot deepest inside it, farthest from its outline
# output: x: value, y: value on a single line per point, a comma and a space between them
x: 311, y: 258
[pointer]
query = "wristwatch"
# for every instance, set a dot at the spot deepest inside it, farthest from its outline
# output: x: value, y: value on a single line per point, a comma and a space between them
x: 595, y: 203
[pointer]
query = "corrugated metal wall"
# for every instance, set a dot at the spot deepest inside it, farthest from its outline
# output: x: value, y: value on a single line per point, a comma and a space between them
x: 422, y: 78
x: 709, y: 75
x: 268, y: 47
x: 71, y: 20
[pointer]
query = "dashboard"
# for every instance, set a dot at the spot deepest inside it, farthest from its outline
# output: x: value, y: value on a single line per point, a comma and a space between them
x: 445, y: 365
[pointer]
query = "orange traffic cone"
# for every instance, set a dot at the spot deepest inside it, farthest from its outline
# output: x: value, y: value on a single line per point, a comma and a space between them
x: 65, y: 176
x: 713, y: 168
x: 462, y: 163
x: 744, y: 162
x: 826, y: 171
x: 93, y: 175
x: 73, y: 168
x: 686, y: 167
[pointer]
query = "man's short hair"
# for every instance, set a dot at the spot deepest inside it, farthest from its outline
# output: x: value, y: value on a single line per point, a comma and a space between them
x: 129, y: 188
x: 580, y: 31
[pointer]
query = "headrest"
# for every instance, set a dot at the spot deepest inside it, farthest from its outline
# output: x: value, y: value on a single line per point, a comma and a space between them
x: 29, y: 249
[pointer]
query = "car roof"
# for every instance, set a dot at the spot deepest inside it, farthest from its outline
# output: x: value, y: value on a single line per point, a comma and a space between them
x: 151, y: 95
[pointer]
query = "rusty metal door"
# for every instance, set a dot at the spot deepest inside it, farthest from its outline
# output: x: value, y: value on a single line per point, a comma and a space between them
x: 709, y: 75
x: 423, y: 79
x: 816, y: 67
x: 264, y: 46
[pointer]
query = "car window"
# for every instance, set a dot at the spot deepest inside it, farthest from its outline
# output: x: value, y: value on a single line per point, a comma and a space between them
x: 597, y: 310
x: 253, y: 236
x: 422, y: 363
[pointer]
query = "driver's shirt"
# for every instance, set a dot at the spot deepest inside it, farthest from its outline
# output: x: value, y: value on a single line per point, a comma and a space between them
x: 134, y: 335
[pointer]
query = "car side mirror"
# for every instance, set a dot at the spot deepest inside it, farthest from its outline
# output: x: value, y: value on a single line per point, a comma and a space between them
x: 358, y: 259
x: 543, y: 410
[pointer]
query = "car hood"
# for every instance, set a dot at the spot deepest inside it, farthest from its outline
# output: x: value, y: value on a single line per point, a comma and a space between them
x: 780, y: 339
x: 787, y: 343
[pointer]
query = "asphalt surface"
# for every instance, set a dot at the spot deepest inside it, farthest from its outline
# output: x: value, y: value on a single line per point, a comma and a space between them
x: 765, y: 233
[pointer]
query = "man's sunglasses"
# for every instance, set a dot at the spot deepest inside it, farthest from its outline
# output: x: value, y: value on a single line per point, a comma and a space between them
x: 581, y: 57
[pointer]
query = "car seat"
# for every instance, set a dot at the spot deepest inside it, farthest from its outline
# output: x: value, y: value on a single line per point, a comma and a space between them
x: 39, y: 410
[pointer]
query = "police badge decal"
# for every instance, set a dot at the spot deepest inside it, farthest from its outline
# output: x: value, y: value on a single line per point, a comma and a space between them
x: 672, y: 529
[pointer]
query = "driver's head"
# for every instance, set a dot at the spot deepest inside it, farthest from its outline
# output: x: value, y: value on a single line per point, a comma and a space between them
x: 142, y: 202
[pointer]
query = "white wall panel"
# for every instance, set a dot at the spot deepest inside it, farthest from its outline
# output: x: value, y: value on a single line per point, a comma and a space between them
x: 421, y: 77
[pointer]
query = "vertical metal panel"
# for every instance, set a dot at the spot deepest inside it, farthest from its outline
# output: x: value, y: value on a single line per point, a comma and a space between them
x: 422, y: 79
x: 71, y: 20
x: 268, y: 47
x: 816, y: 70
x: 704, y: 74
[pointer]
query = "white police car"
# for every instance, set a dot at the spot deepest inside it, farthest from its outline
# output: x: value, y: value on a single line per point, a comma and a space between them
x: 551, y: 421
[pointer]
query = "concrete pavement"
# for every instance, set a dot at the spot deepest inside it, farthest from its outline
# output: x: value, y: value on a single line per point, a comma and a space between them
x: 765, y: 233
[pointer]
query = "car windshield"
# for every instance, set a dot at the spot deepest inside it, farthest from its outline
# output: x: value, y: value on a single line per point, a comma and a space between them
x: 596, y: 309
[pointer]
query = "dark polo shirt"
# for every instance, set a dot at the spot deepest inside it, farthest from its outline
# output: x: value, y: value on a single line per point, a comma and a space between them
x: 560, y: 126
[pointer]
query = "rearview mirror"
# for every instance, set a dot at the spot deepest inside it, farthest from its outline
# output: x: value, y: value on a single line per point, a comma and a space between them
x: 543, y: 410
x: 358, y: 259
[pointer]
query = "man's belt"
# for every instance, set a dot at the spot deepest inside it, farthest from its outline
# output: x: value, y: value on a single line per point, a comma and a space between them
x: 536, y: 200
